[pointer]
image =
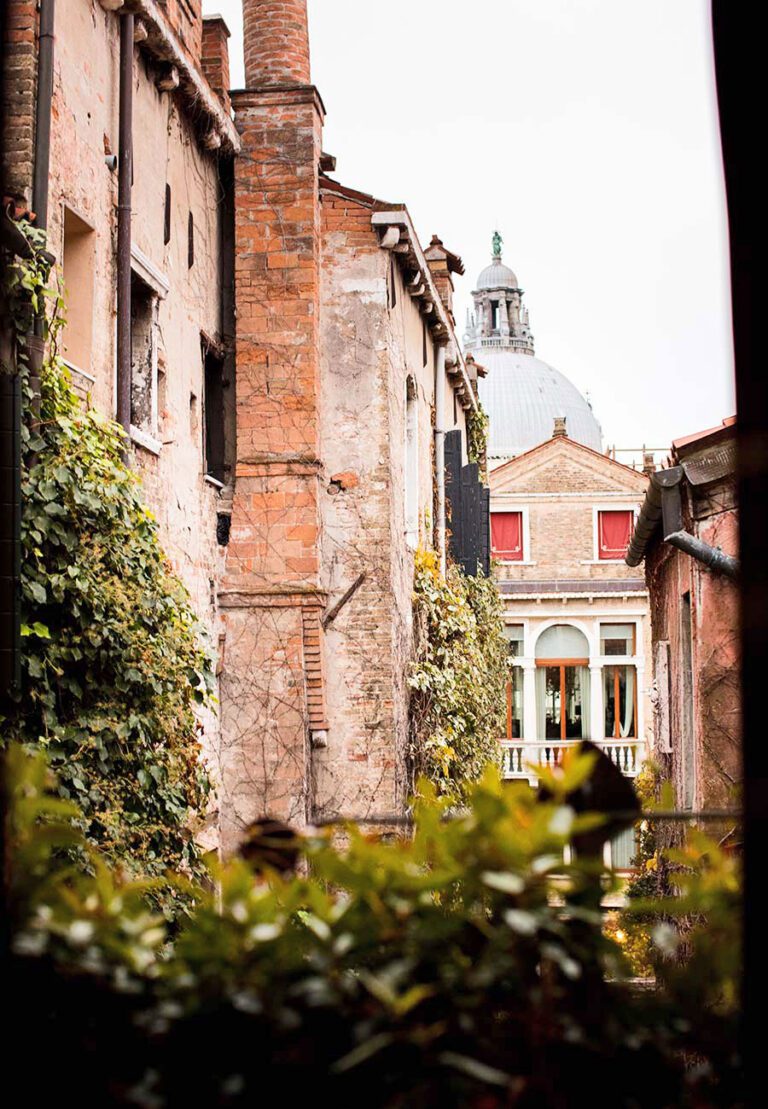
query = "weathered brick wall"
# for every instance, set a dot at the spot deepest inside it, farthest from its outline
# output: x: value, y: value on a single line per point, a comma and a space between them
x: 18, y: 82
x: 274, y: 554
x: 714, y: 614
x: 166, y: 150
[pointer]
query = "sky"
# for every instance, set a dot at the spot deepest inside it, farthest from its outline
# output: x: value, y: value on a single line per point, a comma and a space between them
x: 586, y: 131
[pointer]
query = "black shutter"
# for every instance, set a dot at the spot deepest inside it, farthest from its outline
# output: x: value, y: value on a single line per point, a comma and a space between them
x: 453, y: 493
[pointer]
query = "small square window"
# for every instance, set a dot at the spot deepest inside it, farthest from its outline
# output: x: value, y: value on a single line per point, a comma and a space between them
x: 507, y: 536
x: 614, y: 529
x: 143, y: 356
x: 617, y: 639
x: 515, y: 639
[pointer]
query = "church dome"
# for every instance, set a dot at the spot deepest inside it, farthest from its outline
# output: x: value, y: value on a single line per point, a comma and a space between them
x: 497, y: 276
x: 522, y: 396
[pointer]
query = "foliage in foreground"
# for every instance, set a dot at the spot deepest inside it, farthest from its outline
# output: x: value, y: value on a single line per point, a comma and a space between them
x: 465, y: 966
x: 113, y: 664
x: 458, y: 677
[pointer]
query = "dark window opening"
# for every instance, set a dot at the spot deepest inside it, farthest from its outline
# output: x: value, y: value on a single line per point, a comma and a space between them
x: 190, y: 241
x: 215, y: 456
x: 143, y: 356
x: 494, y: 315
x: 223, y: 524
x: 424, y: 342
x: 167, y: 216
x: 392, y: 282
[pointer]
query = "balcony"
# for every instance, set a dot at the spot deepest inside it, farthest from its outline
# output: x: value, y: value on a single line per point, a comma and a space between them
x: 520, y: 759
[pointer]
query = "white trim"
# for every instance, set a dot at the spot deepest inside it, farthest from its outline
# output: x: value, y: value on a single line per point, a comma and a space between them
x: 209, y: 479
x: 587, y: 496
x: 146, y: 269
x: 526, y: 559
x: 74, y: 367
x: 145, y: 440
x: 596, y: 510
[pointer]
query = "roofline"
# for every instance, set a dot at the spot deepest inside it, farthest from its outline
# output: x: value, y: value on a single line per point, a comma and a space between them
x: 699, y: 438
x: 400, y: 217
x: 573, y: 442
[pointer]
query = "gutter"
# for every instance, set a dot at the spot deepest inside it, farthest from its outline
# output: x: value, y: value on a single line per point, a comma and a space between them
x: 440, y: 457
x: 662, y: 508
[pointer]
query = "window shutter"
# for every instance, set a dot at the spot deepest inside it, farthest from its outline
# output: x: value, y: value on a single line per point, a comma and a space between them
x: 614, y: 531
x: 507, y: 536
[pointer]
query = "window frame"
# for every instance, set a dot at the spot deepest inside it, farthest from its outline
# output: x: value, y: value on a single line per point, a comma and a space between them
x: 147, y: 272
x: 562, y: 663
x: 596, y: 510
x: 522, y: 511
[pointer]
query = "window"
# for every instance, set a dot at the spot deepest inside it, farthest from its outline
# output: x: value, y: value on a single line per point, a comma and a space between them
x: 411, y: 463
x: 515, y: 704
x: 562, y: 683
x: 143, y: 356
x: 167, y: 216
x: 215, y: 461
x: 614, y: 528
x: 620, y: 697
x: 190, y: 241
x: 515, y: 634
x: 77, y: 264
x: 507, y: 536
x: 617, y: 639
x: 494, y: 315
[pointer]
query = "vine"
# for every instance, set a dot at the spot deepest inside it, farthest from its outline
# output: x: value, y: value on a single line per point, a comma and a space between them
x: 477, y: 439
x: 458, y: 676
x: 113, y: 666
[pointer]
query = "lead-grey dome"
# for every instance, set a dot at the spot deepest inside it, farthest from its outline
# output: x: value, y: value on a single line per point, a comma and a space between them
x: 497, y: 276
x: 522, y: 396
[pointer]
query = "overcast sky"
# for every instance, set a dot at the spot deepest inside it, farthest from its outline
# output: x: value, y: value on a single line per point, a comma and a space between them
x: 586, y: 130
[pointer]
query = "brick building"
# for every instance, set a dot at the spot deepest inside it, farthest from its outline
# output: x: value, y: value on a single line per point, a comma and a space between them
x: 687, y: 535
x: 281, y: 352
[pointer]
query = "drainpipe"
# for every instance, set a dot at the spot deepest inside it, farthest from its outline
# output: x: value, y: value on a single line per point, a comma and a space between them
x: 711, y: 556
x: 35, y: 341
x: 43, y: 113
x: 125, y: 175
x: 440, y: 455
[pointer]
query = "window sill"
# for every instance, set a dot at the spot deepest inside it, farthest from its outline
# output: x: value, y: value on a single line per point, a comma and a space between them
x: 209, y: 479
x: 603, y: 562
x: 145, y: 440
x: 76, y: 369
x: 514, y: 561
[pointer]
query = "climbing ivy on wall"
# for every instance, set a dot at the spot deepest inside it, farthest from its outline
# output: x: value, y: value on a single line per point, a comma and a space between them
x: 477, y: 439
x: 113, y: 663
x: 458, y: 676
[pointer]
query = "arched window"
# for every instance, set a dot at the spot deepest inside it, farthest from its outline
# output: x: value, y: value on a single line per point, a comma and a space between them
x: 411, y: 463
x: 562, y: 683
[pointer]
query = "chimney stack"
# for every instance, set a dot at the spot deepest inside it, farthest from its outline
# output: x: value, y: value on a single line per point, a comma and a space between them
x: 559, y: 428
x: 276, y: 43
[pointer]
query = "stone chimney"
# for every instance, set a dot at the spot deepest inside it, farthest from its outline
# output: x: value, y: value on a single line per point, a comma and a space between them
x: 649, y: 465
x: 215, y: 56
x: 272, y: 693
x: 442, y: 263
x: 559, y: 429
x: 275, y: 43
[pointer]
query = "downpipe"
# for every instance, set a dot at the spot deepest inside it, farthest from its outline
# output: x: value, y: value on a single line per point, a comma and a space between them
x: 440, y: 457
x: 124, y: 186
x: 710, y: 556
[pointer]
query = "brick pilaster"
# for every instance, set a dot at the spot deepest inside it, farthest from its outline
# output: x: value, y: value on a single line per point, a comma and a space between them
x: 271, y: 590
x: 18, y: 82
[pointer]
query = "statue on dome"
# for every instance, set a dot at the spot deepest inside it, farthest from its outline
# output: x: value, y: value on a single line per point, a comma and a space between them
x: 497, y: 241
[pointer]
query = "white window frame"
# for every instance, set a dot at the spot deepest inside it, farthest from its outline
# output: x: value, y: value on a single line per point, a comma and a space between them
x: 526, y: 559
x: 158, y: 283
x: 596, y: 510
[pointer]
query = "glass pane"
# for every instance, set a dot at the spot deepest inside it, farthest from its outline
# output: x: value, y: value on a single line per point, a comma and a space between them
x: 573, y: 706
x: 619, y: 696
x: 616, y: 639
x: 517, y: 703
x: 553, y: 703
x: 623, y: 849
x: 562, y: 641
x: 515, y: 639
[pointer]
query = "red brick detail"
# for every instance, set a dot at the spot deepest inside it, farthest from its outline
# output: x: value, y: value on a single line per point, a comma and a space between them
x: 185, y: 18
x: 313, y: 669
x: 18, y: 78
x: 276, y: 43
x: 215, y: 57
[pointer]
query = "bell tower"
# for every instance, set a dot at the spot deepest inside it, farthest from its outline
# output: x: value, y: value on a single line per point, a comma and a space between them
x: 500, y: 318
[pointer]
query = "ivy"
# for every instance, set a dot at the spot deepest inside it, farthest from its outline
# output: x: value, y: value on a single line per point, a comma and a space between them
x: 114, y: 666
x: 458, y: 676
x: 477, y: 439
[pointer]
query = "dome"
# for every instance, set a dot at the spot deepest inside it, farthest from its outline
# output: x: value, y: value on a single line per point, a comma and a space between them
x: 497, y: 276
x: 522, y: 396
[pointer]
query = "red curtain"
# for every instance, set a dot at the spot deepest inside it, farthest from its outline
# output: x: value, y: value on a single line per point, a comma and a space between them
x: 615, y: 529
x: 507, y: 535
